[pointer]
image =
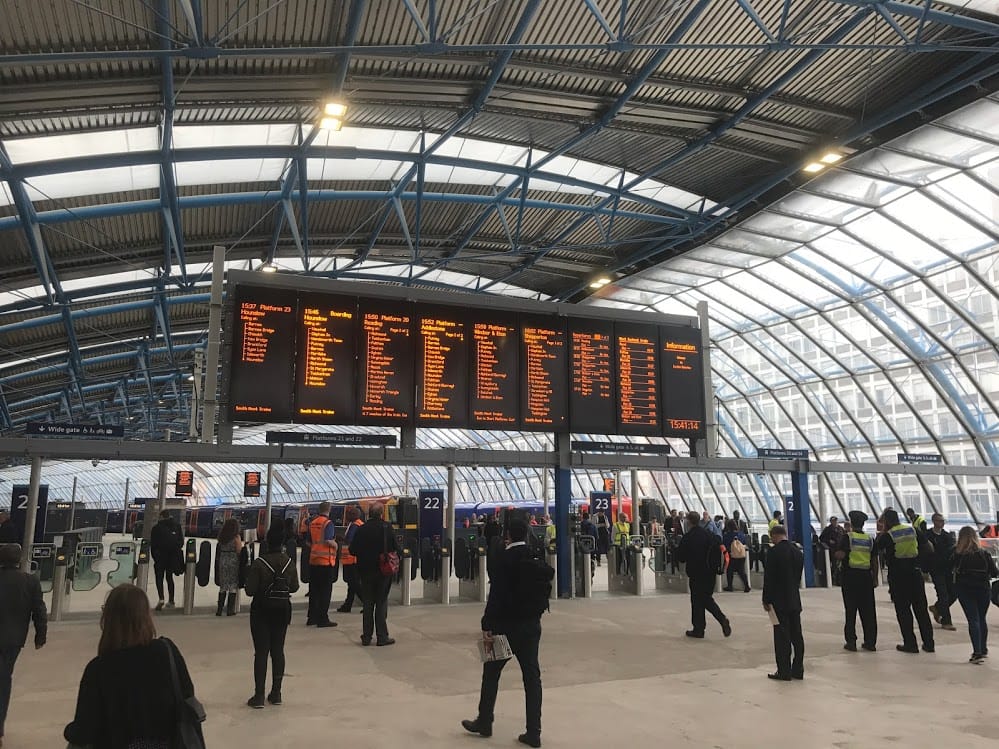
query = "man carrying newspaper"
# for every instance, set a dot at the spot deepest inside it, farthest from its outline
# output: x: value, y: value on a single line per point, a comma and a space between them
x: 518, y: 596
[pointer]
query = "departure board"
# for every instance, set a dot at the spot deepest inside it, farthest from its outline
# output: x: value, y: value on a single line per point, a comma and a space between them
x: 683, y: 383
x: 324, y: 371
x: 442, y: 368
x: 343, y: 353
x: 544, y: 372
x: 495, y: 372
x: 385, y: 372
x: 636, y: 349
x: 592, y: 391
x: 263, y: 355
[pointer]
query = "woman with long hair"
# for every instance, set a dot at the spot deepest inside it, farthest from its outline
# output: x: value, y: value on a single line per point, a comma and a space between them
x: 126, y: 696
x: 974, y: 569
x: 227, y: 564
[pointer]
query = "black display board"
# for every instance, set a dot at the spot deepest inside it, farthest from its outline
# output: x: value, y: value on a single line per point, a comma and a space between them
x: 263, y: 355
x: 683, y: 386
x: 544, y: 374
x: 636, y: 351
x: 183, y: 484
x: 325, y: 368
x: 442, y: 342
x: 251, y: 483
x: 593, y: 377
x: 385, y: 364
x: 495, y: 372
x: 335, y: 358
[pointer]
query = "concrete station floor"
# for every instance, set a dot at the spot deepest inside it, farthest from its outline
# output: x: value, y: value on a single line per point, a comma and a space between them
x: 615, y: 669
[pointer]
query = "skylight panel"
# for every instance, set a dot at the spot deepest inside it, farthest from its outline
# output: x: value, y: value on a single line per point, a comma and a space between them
x: 203, y: 136
x: 72, y: 145
x: 93, y: 182
x: 229, y: 171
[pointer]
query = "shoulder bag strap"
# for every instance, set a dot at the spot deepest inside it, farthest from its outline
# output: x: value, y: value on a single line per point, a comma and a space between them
x: 173, y: 671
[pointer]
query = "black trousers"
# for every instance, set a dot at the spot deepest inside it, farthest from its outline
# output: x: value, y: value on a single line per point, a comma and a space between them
x: 8, y: 657
x: 268, y: 628
x: 702, y: 598
x: 943, y: 583
x: 908, y: 593
x: 160, y: 571
x: 858, y: 598
x: 525, y: 640
x: 374, y: 593
x: 320, y: 593
x: 353, y: 581
x: 787, y: 637
x: 737, y: 567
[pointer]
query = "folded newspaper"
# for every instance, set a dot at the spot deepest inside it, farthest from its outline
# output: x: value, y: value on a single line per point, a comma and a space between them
x: 497, y: 650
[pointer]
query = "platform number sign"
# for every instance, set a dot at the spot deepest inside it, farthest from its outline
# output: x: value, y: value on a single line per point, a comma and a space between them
x: 19, y: 510
x: 791, y: 520
x: 601, y: 502
x: 431, y: 503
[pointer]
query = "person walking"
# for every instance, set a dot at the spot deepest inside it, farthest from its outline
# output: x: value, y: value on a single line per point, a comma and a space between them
x: 322, y: 560
x: 603, y: 538
x: 348, y: 562
x: 941, y: 573
x: 900, y: 544
x: 740, y: 523
x: 228, y: 559
x: 737, y: 544
x: 859, y: 568
x: 166, y: 543
x: 21, y: 604
x: 371, y: 540
x: 695, y: 549
x: 511, y: 611
x: 127, y: 695
x: 974, y: 569
x: 781, y: 582
x: 270, y: 581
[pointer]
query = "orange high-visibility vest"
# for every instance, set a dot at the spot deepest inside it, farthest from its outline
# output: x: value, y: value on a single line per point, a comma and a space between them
x: 345, y: 556
x: 323, y: 553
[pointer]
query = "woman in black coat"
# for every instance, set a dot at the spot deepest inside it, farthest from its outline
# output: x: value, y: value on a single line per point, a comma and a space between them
x: 127, y: 696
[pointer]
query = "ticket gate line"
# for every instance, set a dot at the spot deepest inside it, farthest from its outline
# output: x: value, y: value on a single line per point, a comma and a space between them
x: 190, y: 575
x: 405, y: 586
x: 58, y: 588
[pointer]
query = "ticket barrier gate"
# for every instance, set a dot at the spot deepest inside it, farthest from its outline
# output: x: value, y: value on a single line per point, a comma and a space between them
x: 142, y: 566
x: 86, y: 570
x: 758, y: 555
x: 669, y: 576
x: 470, y: 566
x: 43, y: 558
x: 401, y: 591
x: 435, y: 569
x: 584, y: 566
x: 122, y: 554
x: 624, y: 569
x: 190, y: 574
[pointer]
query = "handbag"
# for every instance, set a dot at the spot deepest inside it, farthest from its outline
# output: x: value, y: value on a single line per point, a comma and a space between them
x: 388, y: 561
x: 190, y: 711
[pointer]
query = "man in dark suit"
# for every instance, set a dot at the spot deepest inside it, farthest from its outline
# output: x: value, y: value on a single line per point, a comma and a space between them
x: 504, y: 615
x: 694, y: 549
x: 369, y: 541
x: 781, y: 581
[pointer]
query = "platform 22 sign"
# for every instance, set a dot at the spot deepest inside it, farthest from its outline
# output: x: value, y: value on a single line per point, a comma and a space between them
x: 431, y: 503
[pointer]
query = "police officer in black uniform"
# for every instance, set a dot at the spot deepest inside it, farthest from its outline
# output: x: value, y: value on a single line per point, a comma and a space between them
x: 900, y: 542
x: 858, y: 564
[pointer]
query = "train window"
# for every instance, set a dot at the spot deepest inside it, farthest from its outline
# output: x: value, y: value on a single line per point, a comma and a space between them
x: 393, y: 514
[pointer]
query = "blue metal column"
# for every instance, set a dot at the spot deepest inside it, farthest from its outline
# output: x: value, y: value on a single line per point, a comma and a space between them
x: 803, y: 527
x: 563, y: 500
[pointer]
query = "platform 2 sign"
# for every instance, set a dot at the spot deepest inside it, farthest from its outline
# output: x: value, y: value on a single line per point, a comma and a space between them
x: 19, y: 510
x: 251, y: 483
x: 431, y: 502
x: 183, y: 485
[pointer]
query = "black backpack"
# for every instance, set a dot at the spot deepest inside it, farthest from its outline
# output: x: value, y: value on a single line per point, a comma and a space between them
x: 277, y: 595
x: 534, y: 586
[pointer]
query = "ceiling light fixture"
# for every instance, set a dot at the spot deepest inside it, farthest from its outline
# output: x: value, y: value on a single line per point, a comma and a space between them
x: 334, y: 108
x: 814, y: 166
x: 330, y: 123
x: 600, y: 282
x: 268, y: 268
x: 831, y: 157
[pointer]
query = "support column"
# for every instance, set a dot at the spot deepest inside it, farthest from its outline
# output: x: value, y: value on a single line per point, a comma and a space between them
x: 563, y: 499
x: 545, y: 489
x: 72, y: 506
x: 150, y: 514
x: 636, y: 525
x: 452, y: 495
x: 212, y: 351
x: 269, y: 505
x: 126, y: 503
x: 800, y: 516
x: 823, y: 500
x: 30, y: 513
x: 710, y: 425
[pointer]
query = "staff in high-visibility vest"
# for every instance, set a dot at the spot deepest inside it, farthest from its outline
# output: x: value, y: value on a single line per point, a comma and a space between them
x: 348, y: 562
x: 917, y: 520
x: 322, y: 560
x: 622, y: 534
x: 859, y: 564
x: 900, y: 543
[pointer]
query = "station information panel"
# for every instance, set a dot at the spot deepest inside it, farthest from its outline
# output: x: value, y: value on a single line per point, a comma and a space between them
x: 322, y: 358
